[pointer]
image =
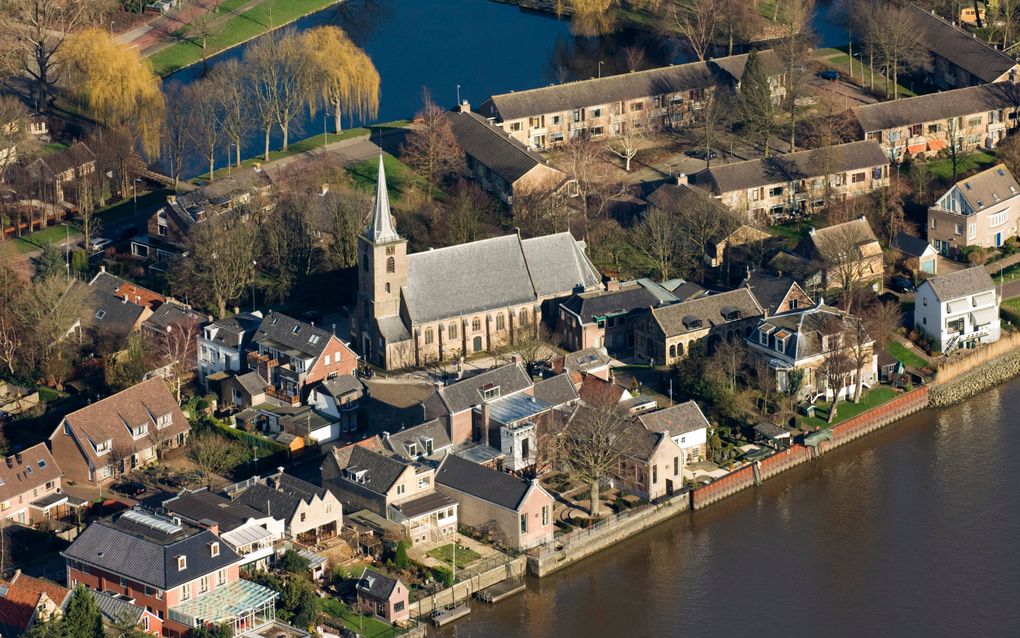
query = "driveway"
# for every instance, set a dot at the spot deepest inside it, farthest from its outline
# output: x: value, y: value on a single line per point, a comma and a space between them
x: 839, y: 94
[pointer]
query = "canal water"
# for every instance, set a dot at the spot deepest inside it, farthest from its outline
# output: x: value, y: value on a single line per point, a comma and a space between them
x: 908, y: 532
x: 483, y: 46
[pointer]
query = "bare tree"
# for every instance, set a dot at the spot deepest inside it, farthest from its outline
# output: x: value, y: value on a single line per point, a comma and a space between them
x: 850, y: 257
x: 16, y: 144
x: 859, y: 348
x: 634, y: 57
x: 176, y: 132
x: 837, y: 364
x: 628, y: 136
x: 462, y: 219
x: 697, y: 23
x: 228, y: 82
x: 956, y: 147
x: 593, y: 445
x: 658, y: 237
x: 36, y: 30
x: 730, y: 355
x: 431, y: 148
x: 710, y: 121
x: 595, y: 188
x: 205, y: 121
x: 213, y: 454
x: 278, y: 81
x: 219, y: 267
x: 794, y: 46
x: 176, y: 353
x: 536, y: 211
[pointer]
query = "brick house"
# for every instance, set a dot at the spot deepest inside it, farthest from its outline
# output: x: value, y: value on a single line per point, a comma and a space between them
x: 776, y: 293
x: 457, y: 403
x: 650, y: 464
x: 799, y: 341
x: 118, y: 433
x: 114, y: 308
x: 924, y: 126
x: 385, y: 596
x: 167, y: 230
x: 501, y: 164
x: 671, y: 96
x: 518, y: 511
x: 27, y: 600
x: 606, y: 318
x: 292, y: 356
x: 686, y: 424
x: 399, y: 490
x: 30, y: 490
x: 669, y: 334
x: 310, y: 513
x: 183, y: 575
x: 52, y: 174
x: 980, y: 210
x: 775, y: 188
x: 843, y: 253
x: 222, y: 344
x: 442, y: 304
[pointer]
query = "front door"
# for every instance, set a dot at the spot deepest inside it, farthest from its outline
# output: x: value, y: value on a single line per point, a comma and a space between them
x: 998, y: 239
x: 477, y: 344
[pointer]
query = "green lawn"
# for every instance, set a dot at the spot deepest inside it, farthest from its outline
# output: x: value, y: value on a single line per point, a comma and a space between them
x: 399, y: 178
x: 365, y: 625
x: 845, y: 409
x: 40, y: 238
x: 1007, y: 274
x: 1013, y: 304
x: 792, y: 232
x: 905, y: 356
x: 308, y: 144
x: 861, y: 76
x: 253, y: 22
x: 52, y: 147
x: 943, y: 169
x: 465, y: 556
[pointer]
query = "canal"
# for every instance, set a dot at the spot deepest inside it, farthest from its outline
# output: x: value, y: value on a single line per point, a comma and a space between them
x: 908, y: 532
x: 482, y: 46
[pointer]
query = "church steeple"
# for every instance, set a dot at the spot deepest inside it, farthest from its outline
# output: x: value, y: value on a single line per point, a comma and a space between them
x: 381, y: 230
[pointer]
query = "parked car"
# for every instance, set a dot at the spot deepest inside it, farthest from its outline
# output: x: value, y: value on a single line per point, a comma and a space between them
x: 829, y: 74
x: 99, y: 244
x: 700, y: 153
x: 902, y: 284
x: 134, y: 489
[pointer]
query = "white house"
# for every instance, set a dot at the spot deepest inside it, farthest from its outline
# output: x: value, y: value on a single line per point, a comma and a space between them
x: 686, y: 425
x: 221, y: 344
x: 958, y: 310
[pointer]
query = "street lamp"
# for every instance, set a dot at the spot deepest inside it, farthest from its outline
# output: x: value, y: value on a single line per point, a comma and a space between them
x: 230, y: 146
x: 67, y: 249
x: 134, y: 193
x: 325, y: 118
x: 253, y: 263
x: 600, y: 68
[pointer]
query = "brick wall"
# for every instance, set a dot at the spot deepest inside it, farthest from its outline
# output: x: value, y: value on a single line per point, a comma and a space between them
x: 723, y: 487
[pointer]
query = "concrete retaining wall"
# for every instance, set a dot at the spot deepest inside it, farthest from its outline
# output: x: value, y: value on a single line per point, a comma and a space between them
x: 467, y: 588
x: 722, y: 487
x: 547, y: 560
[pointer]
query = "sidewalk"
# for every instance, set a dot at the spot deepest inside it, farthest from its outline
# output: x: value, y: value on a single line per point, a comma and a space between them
x: 159, y: 33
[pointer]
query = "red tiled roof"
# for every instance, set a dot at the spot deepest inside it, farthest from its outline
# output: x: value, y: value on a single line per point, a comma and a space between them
x: 56, y: 593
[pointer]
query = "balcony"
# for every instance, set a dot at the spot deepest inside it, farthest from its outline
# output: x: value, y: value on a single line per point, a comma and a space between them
x: 293, y: 400
x: 255, y: 360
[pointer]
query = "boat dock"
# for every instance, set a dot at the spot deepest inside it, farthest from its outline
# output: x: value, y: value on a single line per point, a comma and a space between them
x: 501, y: 590
x: 449, y: 613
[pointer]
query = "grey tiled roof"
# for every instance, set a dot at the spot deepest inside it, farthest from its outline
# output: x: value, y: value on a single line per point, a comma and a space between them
x: 586, y: 359
x: 104, y: 312
x: 467, y: 393
x: 969, y: 281
x: 172, y: 315
x: 590, y: 305
x: 116, y: 610
x: 798, y: 267
x: 69, y: 158
x: 616, y: 88
x: 988, y: 188
x: 430, y: 502
x: 279, y: 495
x: 674, y: 198
x: 203, y: 504
x: 910, y: 245
x: 639, y: 442
x: 970, y: 53
x: 253, y: 383
x: 805, y: 329
x: 493, y: 273
x: 481, y: 482
x: 376, y: 585
x: 556, y: 391
x: 489, y: 145
x: 725, y: 178
x: 381, y: 471
x: 937, y: 106
x: 769, y: 289
x: 141, y: 555
x: 677, y: 319
x: 829, y: 243
x: 435, y: 429
x: 339, y: 386
x: 236, y: 331
x: 279, y: 328
x: 677, y: 420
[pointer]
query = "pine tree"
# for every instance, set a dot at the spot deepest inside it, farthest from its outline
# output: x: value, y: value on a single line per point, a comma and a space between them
x: 82, y: 618
x: 755, y: 105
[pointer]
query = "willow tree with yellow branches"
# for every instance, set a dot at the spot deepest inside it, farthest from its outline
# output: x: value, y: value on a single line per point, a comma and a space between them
x: 116, y: 86
x: 597, y: 17
x: 348, y: 82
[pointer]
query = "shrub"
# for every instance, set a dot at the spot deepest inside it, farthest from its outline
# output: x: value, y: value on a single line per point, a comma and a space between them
x: 443, y: 575
x: 402, y: 561
x: 975, y: 255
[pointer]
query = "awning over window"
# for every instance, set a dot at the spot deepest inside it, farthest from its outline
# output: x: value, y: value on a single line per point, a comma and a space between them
x: 936, y: 145
x: 916, y: 148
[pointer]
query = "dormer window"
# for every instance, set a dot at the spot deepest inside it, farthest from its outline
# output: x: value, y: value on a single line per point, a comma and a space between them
x: 427, y: 441
x: 412, y: 449
x: 214, y: 549
x: 182, y: 563
x: 163, y: 420
x: 139, y: 430
x: 490, y: 392
x: 103, y: 446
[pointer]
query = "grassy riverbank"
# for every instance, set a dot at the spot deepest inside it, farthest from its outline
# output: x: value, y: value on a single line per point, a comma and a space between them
x: 268, y: 15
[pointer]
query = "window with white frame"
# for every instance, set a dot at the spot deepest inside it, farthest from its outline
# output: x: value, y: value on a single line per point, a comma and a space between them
x: 971, y: 231
x: 998, y: 219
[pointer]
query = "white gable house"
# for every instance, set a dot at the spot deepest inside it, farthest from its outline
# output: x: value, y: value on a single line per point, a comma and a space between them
x: 958, y: 310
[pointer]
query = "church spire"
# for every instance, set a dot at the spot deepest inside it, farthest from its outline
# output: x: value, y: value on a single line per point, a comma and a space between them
x: 381, y: 230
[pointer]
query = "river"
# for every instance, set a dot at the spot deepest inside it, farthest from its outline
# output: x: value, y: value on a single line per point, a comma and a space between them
x: 907, y: 532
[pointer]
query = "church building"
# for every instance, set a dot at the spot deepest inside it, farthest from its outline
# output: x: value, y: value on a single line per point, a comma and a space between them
x: 449, y: 302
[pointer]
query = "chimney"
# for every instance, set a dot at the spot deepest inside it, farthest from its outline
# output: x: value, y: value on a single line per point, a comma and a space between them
x: 386, y: 435
x: 465, y: 106
x: 102, y: 269
x: 811, y: 231
x: 324, y: 190
x: 612, y: 284
x: 258, y: 167
x: 681, y: 179
x: 485, y: 423
x: 171, y: 199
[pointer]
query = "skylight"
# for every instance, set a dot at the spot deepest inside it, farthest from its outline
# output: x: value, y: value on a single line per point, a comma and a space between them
x: 297, y: 330
x: 42, y: 464
x: 100, y: 313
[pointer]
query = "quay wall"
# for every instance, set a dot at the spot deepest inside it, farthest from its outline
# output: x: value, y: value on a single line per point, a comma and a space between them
x: 983, y: 373
x: 580, y: 544
x: 467, y: 587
